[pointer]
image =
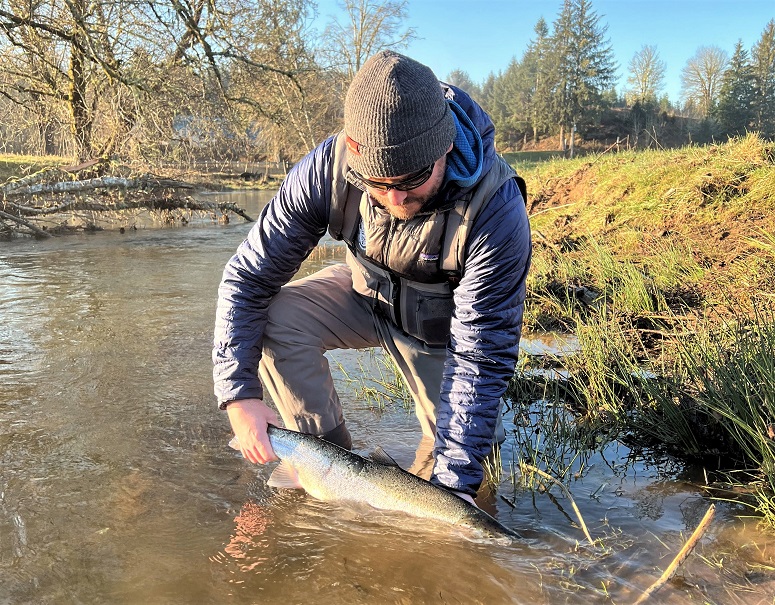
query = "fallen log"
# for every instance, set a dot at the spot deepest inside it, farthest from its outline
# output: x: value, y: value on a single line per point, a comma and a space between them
x: 20, y: 221
x: 103, y: 182
x: 155, y: 203
x: 28, y: 204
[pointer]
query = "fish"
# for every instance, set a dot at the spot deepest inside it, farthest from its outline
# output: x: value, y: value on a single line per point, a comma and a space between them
x: 332, y: 473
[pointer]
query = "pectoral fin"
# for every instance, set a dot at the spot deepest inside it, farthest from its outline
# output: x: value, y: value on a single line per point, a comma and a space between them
x: 284, y: 476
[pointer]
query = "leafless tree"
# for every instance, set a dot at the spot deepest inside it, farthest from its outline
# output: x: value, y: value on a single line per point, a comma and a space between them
x: 372, y: 26
x: 125, y: 74
x: 647, y: 75
x: 701, y: 78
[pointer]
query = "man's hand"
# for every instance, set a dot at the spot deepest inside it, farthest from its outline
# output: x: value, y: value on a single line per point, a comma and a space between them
x: 249, y: 419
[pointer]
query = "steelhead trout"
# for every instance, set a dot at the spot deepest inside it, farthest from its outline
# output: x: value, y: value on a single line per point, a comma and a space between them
x: 331, y: 473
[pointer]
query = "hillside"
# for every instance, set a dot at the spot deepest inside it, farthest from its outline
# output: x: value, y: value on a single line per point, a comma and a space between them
x: 698, y: 222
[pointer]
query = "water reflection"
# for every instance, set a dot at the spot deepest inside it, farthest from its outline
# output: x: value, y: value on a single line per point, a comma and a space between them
x: 117, y: 485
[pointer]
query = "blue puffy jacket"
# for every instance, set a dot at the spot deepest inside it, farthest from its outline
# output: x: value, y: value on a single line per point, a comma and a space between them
x: 485, y: 327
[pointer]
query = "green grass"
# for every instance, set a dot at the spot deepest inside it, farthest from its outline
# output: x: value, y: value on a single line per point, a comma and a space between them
x: 379, y: 382
x: 722, y: 384
x: 676, y: 190
x: 16, y: 166
x: 527, y: 160
x: 565, y: 285
x: 706, y: 397
x: 653, y: 231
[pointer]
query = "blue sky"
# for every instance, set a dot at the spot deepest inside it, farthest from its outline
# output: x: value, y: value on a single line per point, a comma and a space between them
x: 482, y: 36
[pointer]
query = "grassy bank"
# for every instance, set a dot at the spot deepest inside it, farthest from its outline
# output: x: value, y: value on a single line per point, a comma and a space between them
x: 661, y: 263
x: 15, y: 166
x: 654, y: 231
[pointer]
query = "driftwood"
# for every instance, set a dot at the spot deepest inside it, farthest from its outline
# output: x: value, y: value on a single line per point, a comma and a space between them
x: 20, y: 221
x: 680, y: 557
x: 29, y: 204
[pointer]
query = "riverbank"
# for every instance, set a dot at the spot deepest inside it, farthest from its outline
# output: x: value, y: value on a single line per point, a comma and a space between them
x: 661, y: 264
x: 698, y: 224
x: 43, y: 197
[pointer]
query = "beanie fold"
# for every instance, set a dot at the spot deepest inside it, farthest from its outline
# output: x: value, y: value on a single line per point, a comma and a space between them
x: 396, y: 117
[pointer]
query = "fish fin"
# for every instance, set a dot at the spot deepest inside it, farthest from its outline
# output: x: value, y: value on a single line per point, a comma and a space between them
x: 234, y: 443
x: 284, y: 476
x: 382, y: 457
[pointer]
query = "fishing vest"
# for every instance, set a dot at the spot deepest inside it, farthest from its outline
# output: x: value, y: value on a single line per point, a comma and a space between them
x: 408, y: 269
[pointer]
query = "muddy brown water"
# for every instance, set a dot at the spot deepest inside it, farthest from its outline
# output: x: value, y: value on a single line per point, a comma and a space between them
x: 117, y: 485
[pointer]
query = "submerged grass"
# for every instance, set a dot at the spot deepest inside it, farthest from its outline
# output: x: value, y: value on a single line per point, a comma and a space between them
x: 381, y: 383
x: 710, y: 401
x: 706, y: 396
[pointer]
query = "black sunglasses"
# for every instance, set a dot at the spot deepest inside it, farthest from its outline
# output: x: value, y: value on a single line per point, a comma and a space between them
x: 413, y: 181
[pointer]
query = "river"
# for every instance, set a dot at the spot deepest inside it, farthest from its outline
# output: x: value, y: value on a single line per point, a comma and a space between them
x: 117, y: 485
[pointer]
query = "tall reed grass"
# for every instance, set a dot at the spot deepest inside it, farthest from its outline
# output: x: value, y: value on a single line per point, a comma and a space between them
x: 711, y: 401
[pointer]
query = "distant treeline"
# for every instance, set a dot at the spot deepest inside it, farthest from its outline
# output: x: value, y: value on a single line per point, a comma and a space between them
x: 564, y: 84
x: 252, y: 80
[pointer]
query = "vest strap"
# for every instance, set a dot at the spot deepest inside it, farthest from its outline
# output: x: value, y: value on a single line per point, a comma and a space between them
x: 462, y: 216
x: 345, y: 198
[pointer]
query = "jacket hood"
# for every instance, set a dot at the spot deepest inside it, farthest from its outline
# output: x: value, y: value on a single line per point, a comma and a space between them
x: 473, y: 153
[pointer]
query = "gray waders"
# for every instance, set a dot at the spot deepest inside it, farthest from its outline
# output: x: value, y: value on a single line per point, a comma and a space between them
x: 320, y: 313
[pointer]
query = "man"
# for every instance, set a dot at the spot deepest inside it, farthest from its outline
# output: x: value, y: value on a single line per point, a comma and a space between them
x: 439, y: 247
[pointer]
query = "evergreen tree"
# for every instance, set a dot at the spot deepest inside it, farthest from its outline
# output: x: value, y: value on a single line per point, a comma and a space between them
x: 461, y: 79
x: 487, y: 100
x: 520, y: 99
x: 586, y: 64
x: 494, y: 103
x: 735, y: 111
x: 539, y: 74
x: 509, y: 106
x: 763, y: 67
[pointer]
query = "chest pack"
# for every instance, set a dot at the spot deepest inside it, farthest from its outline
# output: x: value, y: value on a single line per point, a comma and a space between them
x: 408, y: 269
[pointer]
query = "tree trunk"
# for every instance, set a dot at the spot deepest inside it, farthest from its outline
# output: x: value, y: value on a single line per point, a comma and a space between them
x: 562, y: 137
x: 79, y: 110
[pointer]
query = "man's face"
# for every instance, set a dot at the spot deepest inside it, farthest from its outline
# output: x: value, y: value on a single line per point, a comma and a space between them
x: 405, y: 204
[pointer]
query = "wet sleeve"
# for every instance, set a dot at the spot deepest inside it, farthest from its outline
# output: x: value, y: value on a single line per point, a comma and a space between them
x: 485, y: 332
x: 285, y: 233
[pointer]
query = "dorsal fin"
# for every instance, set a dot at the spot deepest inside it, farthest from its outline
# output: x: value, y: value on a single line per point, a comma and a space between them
x: 382, y: 457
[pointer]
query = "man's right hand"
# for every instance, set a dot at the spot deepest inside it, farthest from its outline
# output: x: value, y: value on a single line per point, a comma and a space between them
x: 249, y: 419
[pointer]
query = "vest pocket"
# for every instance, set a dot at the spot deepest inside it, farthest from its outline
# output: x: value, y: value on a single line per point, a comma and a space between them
x: 427, y: 311
x: 375, y: 284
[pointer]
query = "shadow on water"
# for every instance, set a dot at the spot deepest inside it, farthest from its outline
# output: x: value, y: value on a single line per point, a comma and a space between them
x: 117, y: 485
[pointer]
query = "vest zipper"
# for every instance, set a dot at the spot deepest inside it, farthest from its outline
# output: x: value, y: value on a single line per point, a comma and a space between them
x: 396, y: 289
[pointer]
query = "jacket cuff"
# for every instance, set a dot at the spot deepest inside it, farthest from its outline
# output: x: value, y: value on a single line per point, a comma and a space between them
x: 226, y: 392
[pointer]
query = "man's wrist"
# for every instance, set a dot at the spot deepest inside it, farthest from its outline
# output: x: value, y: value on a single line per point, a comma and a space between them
x: 223, y: 405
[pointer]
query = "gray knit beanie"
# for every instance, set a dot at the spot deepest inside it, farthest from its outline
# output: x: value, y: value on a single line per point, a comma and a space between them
x: 396, y: 118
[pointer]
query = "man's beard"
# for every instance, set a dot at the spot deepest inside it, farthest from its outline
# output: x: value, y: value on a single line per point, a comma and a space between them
x: 412, y: 204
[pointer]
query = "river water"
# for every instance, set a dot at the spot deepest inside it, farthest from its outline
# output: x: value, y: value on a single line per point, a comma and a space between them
x: 117, y: 485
